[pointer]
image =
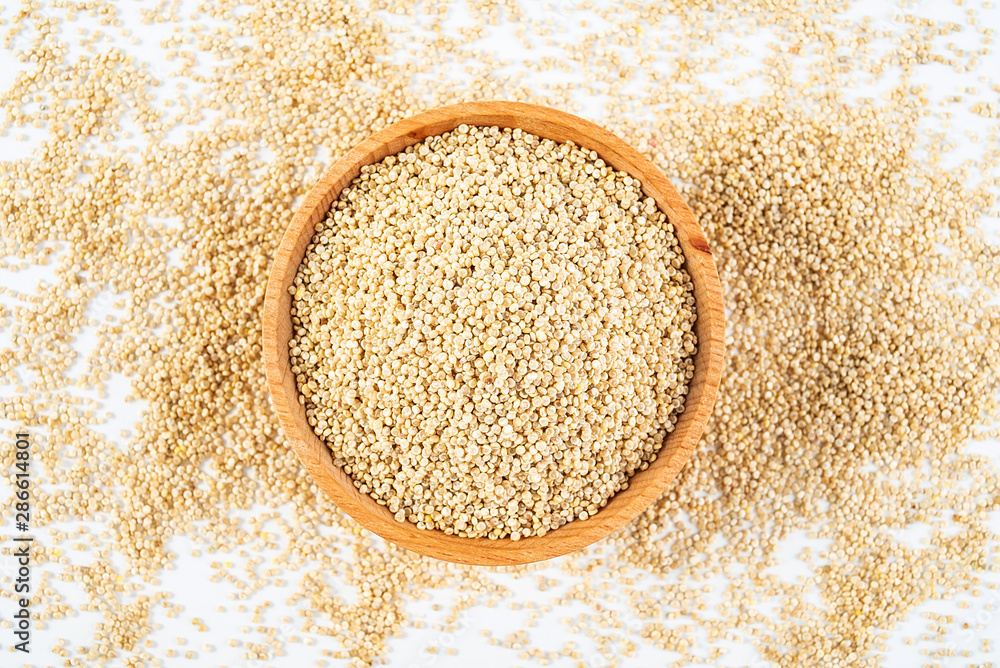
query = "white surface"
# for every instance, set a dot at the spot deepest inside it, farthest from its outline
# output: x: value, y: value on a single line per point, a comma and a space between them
x: 189, y: 579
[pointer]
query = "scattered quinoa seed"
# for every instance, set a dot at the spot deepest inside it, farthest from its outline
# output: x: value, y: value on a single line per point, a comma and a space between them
x: 843, y: 160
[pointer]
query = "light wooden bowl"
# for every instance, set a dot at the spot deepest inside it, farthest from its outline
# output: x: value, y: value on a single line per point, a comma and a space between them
x: 645, y: 486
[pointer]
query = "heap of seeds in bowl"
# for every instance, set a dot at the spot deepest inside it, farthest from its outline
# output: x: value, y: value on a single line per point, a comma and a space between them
x: 493, y: 332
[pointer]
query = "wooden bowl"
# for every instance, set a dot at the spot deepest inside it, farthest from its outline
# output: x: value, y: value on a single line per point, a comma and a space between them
x: 645, y: 486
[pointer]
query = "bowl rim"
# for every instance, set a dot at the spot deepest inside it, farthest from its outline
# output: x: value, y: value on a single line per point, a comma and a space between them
x: 644, y: 486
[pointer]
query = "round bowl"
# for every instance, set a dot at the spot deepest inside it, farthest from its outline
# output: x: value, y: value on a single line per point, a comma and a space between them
x: 645, y: 486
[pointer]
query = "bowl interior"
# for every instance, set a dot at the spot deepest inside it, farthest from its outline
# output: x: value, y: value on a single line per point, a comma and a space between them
x: 645, y: 486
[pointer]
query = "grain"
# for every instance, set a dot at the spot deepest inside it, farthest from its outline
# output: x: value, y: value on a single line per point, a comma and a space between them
x: 863, y: 325
x: 492, y: 332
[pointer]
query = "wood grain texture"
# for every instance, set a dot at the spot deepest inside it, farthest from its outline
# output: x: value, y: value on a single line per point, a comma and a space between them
x: 645, y: 486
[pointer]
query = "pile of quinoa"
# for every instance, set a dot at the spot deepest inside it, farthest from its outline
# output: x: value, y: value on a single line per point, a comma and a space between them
x: 840, y: 495
x: 493, y: 332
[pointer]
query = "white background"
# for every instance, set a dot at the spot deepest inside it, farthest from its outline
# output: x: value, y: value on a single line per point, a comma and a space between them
x: 189, y: 579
